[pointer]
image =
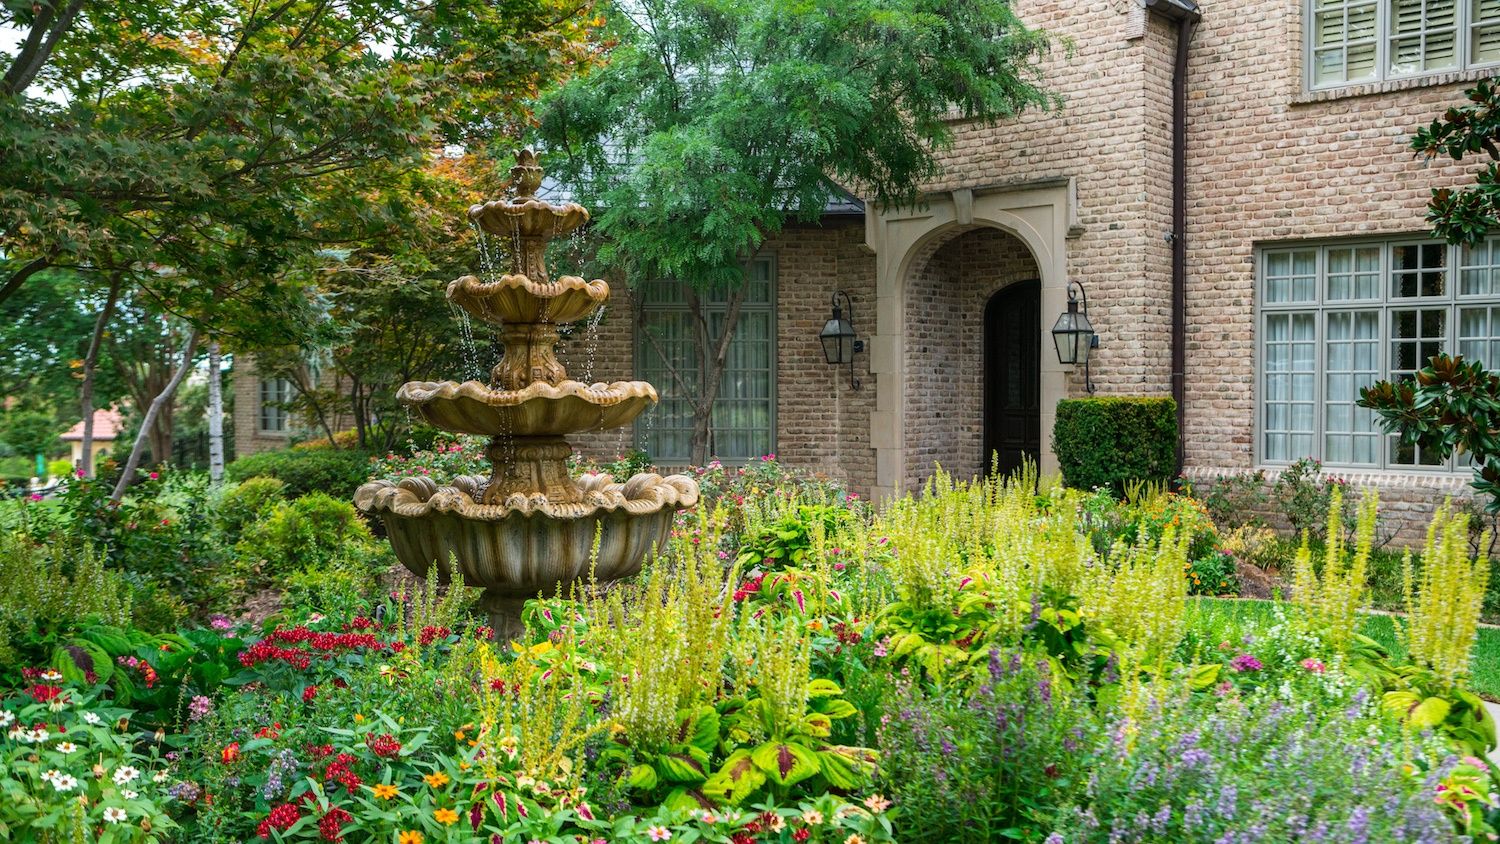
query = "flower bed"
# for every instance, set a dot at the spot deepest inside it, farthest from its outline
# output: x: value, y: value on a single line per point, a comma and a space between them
x: 981, y: 662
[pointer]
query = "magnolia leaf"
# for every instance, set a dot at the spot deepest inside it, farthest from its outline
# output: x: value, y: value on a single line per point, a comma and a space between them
x: 785, y: 763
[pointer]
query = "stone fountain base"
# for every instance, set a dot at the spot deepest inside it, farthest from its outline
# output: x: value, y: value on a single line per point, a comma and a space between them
x: 526, y: 545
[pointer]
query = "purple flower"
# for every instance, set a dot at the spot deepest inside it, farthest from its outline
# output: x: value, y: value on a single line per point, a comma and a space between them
x: 1244, y: 663
x: 199, y: 707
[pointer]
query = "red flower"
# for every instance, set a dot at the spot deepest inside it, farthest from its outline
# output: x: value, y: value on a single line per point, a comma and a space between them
x: 271, y: 732
x: 331, y: 825
x: 802, y: 835
x: 43, y: 693
x: 281, y: 818
x: 230, y: 753
x: 431, y: 634
x: 384, y: 745
x: 309, y: 693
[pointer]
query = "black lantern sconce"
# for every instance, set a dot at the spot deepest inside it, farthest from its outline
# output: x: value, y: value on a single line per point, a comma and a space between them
x: 837, y: 337
x: 1074, y: 336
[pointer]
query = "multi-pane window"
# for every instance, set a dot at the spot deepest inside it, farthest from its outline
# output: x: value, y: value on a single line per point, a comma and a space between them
x: 274, y: 395
x: 1341, y: 316
x: 743, y: 425
x: 1353, y: 41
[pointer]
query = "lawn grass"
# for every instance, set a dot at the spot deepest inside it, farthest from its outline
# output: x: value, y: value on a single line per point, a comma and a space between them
x: 1211, y: 620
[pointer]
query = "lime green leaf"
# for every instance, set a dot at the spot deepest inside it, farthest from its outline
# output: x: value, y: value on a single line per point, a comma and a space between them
x: 785, y: 763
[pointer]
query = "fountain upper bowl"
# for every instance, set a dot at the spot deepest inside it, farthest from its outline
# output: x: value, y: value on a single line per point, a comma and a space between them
x: 529, y: 217
x: 540, y: 409
x: 518, y: 299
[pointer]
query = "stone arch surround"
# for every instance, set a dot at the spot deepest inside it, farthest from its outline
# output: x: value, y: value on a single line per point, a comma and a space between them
x: 904, y: 428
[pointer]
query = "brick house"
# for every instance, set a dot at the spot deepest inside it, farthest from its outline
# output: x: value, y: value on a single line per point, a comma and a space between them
x: 1296, y: 249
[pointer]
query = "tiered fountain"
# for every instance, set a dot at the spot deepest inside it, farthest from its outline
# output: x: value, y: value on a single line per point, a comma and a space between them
x: 529, y: 528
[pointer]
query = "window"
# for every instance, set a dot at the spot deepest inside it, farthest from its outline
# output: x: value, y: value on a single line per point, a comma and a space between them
x: 1354, y: 41
x: 274, y: 395
x: 744, y: 415
x: 1338, y: 317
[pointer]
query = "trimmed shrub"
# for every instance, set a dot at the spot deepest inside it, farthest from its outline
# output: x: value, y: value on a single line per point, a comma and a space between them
x: 311, y: 531
x: 334, y: 472
x: 245, y: 502
x: 1109, y: 442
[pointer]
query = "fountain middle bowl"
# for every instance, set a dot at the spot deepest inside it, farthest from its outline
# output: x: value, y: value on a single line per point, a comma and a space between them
x: 540, y: 409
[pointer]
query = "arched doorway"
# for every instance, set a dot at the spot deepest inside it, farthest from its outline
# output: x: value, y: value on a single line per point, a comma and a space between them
x: 1012, y: 377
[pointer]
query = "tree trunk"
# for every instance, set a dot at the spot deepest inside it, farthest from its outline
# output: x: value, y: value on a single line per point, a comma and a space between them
x: 215, y: 416
x: 160, y: 442
x: 713, y: 352
x: 90, y: 364
x: 163, y: 399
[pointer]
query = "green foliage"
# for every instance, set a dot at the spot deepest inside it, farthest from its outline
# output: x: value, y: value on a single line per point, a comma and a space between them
x: 1444, y: 599
x: 236, y: 140
x: 309, y: 532
x: 29, y: 433
x: 1233, y: 501
x: 246, y: 502
x: 125, y: 802
x: 59, y: 468
x: 1452, y: 405
x: 1468, y: 214
x: 52, y: 589
x: 336, y: 472
x: 985, y: 762
x: 1303, y: 494
x: 1332, y: 596
x: 789, y: 541
x: 1109, y: 442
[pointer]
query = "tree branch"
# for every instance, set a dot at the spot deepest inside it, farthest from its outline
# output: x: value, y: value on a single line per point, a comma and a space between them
x: 19, y: 276
x: 162, y: 398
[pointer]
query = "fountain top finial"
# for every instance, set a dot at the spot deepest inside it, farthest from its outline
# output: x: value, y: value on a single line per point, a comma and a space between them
x: 526, y: 176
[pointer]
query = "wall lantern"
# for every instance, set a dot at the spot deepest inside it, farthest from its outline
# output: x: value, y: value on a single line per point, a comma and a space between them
x: 837, y: 337
x: 1073, y: 334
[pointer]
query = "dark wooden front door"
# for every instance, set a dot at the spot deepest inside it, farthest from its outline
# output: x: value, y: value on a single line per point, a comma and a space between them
x: 1012, y: 377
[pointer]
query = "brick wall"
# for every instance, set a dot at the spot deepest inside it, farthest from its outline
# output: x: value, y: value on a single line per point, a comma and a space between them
x: 822, y: 423
x: 248, y: 438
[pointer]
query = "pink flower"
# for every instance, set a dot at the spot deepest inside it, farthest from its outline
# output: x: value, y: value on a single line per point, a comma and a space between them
x: 36, y: 496
x: 153, y: 476
x: 1314, y: 665
x: 1245, y: 663
x: 658, y: 833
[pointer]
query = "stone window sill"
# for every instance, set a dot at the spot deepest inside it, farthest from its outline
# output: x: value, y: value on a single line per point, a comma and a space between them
x: 1389, y: 85
x: 1377, y: 478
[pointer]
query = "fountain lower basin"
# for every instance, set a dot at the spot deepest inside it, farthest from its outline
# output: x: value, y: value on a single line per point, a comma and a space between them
x: 528, y: 544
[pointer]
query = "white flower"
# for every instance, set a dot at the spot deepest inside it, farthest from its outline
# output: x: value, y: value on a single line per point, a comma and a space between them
x: 65, y: 782
x: 129, y: 795
x: 812, y: 817
x: 160, y: 776
x: 16, y: 733
x: 66, y: 747
x: 57, y: 705
x: 114, y: 815
x: 91, y: 718
x: 49, y: 776
x: 6, y: 717
x: 38, y: 735
x: 51, y: 675
x: 124, y: 774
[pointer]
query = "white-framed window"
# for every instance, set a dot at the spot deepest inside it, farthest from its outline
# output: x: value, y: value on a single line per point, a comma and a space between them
x: 744, y: 414
x: 1335, y: 317
x: 273, y: 417
x: 1348, y: 42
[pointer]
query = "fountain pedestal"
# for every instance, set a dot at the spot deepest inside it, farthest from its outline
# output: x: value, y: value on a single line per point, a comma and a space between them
x: 529, y: 529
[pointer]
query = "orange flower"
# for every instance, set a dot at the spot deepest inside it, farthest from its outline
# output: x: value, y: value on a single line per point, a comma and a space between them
x: 230, y: 753
x: 445, y: 816
x: 385, y: 791
x: 410, y: 836
x: 437, y: 779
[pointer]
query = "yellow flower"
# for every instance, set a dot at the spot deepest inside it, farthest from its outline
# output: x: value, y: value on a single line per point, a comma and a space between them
x: 358, y: 718
x: 410, y: 836
x: 437, y: 779
x: 445, y: 816
x: 385, y: 791
x: 458, y: 735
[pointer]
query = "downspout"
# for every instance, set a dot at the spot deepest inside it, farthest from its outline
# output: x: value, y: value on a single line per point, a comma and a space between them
x: 1186, y: 15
